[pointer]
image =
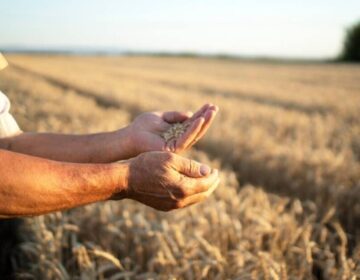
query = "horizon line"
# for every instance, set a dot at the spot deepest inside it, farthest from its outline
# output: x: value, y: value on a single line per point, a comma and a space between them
x: 113, y: 51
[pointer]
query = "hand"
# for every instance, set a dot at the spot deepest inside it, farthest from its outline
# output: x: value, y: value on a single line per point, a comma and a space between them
x: 147, y: 129
x: 166, y: 181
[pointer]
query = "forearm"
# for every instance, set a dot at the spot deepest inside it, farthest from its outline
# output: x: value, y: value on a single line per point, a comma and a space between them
x: 92, y: 148
x: 33, y: 186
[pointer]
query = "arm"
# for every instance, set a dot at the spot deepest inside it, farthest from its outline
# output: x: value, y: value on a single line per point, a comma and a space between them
x: 91, y: 148
x: 144, y: 134
x: 34, y: 186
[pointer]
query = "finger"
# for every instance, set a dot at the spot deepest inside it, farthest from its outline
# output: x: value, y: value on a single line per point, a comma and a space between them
x: 163, y: 126
x: 190, y: 134
x: 209, y: 118
x: 169, y: 203
x: 161, y: 204
x: 212, y: 188
x: 199, y: 197
x: 199, y: 113
x: 174, y: 117
x: 172, y: 145
x: 191, y: 168
x: 167, y: 147
x: 193, y: 186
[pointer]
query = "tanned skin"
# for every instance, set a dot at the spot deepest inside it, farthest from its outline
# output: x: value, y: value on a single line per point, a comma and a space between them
x: 42, y: 173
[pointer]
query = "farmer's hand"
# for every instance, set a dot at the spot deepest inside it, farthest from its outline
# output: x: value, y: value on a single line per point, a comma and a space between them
x: 166, y: 181
x: 146, y: 130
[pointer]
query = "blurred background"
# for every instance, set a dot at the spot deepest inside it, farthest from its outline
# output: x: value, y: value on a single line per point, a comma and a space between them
x: 287, y: 138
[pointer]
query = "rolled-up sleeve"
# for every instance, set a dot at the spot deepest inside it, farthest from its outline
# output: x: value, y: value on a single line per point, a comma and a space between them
x: 8, y: 125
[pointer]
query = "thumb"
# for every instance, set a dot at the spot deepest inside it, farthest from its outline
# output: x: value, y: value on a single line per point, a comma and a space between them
x: 191, y: 168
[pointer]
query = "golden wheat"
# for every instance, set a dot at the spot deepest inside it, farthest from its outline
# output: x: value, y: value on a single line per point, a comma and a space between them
x: 292, y: 129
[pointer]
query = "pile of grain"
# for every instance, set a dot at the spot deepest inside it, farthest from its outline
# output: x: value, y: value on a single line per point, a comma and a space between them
x: 175, y: 131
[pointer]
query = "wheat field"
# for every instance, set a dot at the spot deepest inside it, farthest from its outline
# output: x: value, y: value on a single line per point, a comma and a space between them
x: 287, y: 142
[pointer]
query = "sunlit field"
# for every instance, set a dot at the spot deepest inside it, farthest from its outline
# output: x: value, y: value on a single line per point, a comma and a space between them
x: 287, y: 142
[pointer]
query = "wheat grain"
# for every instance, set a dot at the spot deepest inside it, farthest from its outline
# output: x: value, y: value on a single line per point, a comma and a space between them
x: 175, y: 131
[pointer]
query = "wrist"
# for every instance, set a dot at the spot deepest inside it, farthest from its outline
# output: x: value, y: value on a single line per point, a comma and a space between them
x: 126, y: 147
x: 121, y: 184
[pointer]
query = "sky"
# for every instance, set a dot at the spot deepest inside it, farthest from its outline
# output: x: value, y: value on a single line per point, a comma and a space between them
x: 273, y: 28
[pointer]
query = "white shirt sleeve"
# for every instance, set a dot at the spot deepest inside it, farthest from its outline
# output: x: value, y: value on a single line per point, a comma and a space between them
x: 8, y: 125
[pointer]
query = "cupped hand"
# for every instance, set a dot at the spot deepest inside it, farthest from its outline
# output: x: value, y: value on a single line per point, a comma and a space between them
x: 166, y: 181
x: 146, y: 131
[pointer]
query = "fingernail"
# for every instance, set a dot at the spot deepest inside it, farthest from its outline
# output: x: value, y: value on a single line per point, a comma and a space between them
x: 204, y: 170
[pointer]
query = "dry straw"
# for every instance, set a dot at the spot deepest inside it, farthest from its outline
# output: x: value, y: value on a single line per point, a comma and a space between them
x: 305, y: 146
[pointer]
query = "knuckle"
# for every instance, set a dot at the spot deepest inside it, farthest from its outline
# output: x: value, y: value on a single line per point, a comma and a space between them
x: 191, y: 166
x: 141, y: 157
x: 182, y: 187
x: 191, y: 186
x: 168, y: 157
x: 183, y: 192
x: 181, y: 181
x: 179, y: 204
x: 201, y: 187
x: 163, y: 172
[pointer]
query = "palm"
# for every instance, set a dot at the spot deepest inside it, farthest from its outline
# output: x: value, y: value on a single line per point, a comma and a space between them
x: 148, y: 128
